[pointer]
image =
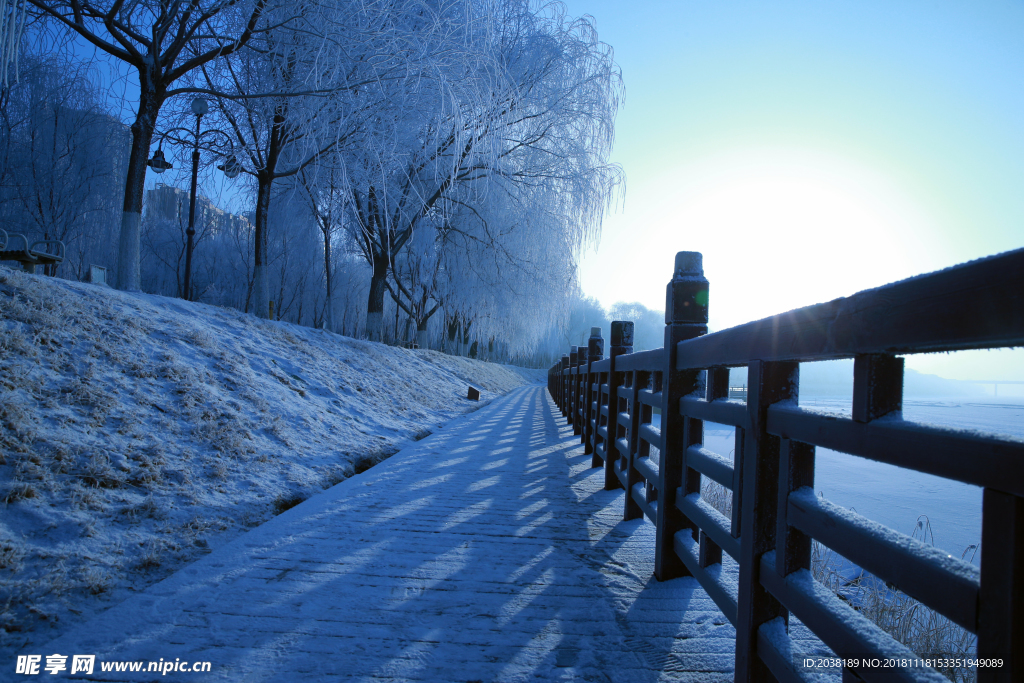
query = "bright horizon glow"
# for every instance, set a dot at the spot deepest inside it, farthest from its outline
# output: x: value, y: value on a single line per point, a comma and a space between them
x: 812, y: 151
x: 770, y: 214
x: 733, y: 210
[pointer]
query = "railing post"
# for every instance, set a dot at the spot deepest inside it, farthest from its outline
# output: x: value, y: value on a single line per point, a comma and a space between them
x: 573, y: 360
x: 686, y: 317
x: 553, y: 377
x: 1001, y: 602
x: 621, y: 339
x: 577, y: 391
x: 595, y: 352
x: 632, y: 508
x: 561, y: 383
x: 767, y: 383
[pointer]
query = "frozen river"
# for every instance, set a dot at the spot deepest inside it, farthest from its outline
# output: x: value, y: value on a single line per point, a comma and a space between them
x: 896, y: 497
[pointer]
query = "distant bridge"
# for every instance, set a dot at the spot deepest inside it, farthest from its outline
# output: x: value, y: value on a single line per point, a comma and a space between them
x: 995, y: 382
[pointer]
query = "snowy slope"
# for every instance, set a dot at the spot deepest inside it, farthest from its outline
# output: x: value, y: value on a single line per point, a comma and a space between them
x: 138, y: 432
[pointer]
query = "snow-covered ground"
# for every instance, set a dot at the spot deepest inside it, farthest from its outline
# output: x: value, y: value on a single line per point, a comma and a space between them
x: 138, y: 432
x: 488, y: 551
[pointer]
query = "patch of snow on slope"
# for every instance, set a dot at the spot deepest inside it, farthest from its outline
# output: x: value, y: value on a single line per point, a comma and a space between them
x: 137, y: 432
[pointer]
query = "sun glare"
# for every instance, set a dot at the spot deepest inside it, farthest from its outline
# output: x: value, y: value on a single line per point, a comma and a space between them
x: 780, y: 230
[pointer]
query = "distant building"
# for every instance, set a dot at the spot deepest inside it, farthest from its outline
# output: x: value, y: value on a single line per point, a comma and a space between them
x: 171, y: 203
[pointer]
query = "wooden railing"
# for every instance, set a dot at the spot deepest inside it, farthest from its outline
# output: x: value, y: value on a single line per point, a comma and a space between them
x: 764, y: 575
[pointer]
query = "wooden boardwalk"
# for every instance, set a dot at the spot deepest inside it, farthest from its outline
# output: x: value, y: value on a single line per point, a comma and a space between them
x: 488, y: 551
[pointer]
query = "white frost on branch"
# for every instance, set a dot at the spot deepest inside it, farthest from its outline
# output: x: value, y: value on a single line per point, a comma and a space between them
x: 13, y: 14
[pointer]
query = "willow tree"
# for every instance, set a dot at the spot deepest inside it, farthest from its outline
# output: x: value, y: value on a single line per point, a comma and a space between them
x: 13, y: 15
x: 58, y: 156
x: 416, y: 285
x: 324, y: 195
x: 308, y: 90
x: 521, y: 165
x: 510, y: 265
x: 162, y: 41
x: 279, y: 135
x: 402, y: 164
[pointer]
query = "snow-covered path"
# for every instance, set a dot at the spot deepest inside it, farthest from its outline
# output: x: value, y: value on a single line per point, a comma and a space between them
x: 485, y: 552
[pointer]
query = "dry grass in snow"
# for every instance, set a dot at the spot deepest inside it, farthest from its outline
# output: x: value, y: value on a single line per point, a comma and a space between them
x: 137, y: 432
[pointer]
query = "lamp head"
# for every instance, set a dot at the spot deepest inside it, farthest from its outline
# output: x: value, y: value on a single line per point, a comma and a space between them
x: 231, y: 167
x: 200, y: 106
x: 158, y: 163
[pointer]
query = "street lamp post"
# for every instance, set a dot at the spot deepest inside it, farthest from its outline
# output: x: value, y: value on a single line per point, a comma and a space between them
x: 199, y: 107
x: 159, y: 164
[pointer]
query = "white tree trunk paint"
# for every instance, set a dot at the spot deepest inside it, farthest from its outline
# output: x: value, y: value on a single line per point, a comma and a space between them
x: 261, y: 292
x: 374, y: 325
x: 128, y: 278
x: 329, y: 313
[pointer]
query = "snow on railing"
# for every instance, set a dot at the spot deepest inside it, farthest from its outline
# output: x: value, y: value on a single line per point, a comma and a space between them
x: 765, y: 578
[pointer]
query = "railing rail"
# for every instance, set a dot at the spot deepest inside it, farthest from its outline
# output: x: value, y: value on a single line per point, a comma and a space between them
x: 764, y: 575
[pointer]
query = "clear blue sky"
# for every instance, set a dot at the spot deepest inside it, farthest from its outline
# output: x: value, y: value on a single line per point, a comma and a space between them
x: 813, y: 149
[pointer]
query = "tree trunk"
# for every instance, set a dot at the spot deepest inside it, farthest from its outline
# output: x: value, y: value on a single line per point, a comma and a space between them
x: 464, y: 346
x: 395, y: 338
x: 422, y: 340
x: 375, y: 304
x: 453, y: 336
x: 261, y: 271
x: 129, y: 242
x: 329, y: 308
x: 261, y: 252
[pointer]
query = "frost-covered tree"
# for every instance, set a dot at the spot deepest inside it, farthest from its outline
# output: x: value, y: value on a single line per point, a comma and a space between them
x: 507, y: 271
x: 293, y: 245
x: 161, y: 41
x: 586, y: 314
x: 325, y: 196
x: 416, y: 289
x: 222, y: 269
x: 164, y: 241
x: 61, y: 157
x: 163, y: 254
x: 533, y: 122
x: 13, y: 15
x: 648, y: 324
x: 402, y: 165
x: 270, y: 131
x: 331, y: 64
